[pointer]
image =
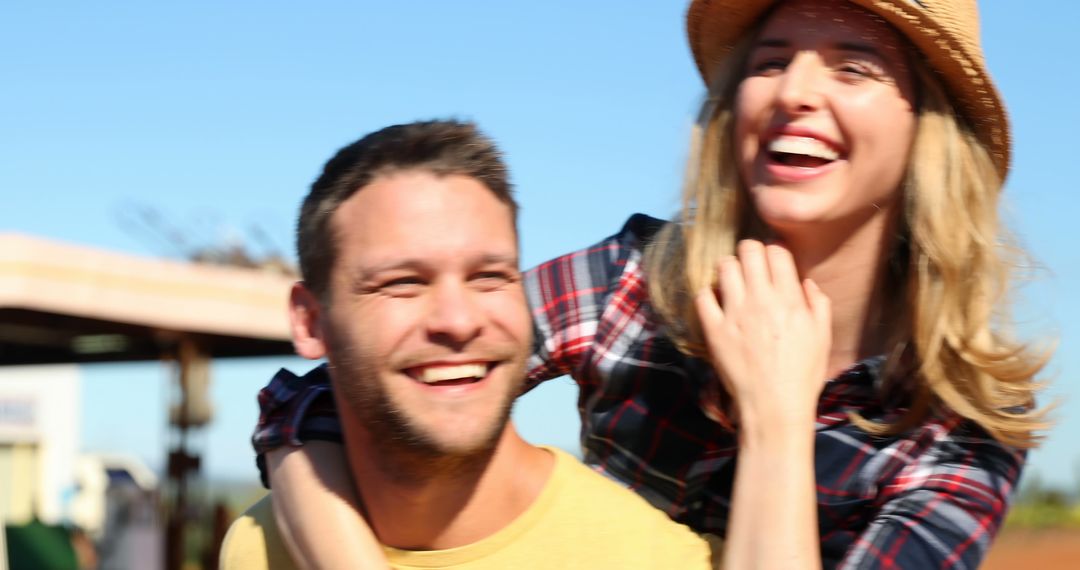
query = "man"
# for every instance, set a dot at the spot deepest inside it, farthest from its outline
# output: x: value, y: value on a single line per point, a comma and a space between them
x: 408, y: 251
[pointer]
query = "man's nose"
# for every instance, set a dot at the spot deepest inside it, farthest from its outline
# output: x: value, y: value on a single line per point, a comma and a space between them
x: 800, y: 89
x: 454, y: 314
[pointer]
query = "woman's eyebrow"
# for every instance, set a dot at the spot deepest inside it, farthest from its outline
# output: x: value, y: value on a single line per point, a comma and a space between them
x: 857, y: 47
x: 772, y: 42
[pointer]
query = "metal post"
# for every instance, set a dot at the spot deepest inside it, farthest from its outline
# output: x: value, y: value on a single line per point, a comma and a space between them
x: 192, y: 410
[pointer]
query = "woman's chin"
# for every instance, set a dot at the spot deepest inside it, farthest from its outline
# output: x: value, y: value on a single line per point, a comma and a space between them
x: 785, y: 209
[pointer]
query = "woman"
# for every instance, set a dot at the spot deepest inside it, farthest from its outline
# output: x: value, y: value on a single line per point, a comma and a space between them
x: 864, y: 142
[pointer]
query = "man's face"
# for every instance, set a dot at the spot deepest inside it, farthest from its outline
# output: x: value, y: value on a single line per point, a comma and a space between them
x: 426, y: 325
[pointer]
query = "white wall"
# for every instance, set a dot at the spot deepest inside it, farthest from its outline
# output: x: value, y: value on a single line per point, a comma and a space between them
x: 41, y: 404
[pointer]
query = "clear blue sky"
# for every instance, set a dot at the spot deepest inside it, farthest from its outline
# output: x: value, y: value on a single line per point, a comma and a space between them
x: 221, y: 114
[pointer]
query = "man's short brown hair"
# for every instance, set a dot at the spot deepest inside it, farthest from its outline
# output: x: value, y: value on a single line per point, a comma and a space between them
x: 442, y: 148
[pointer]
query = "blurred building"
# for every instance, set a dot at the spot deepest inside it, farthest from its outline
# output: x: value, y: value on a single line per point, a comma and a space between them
x: 63, y: 304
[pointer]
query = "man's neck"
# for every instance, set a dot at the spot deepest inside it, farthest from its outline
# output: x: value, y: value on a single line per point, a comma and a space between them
x: 447, y: 508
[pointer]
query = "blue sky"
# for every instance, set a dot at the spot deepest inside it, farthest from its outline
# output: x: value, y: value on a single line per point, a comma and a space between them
x: 220, y: 114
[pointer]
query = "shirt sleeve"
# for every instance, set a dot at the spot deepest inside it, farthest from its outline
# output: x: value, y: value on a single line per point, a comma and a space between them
x: 294, y: 409
x: 943, y: 510
x: 570, y: 297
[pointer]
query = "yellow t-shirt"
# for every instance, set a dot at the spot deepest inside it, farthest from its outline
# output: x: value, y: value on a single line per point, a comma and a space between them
x: 580, y: 520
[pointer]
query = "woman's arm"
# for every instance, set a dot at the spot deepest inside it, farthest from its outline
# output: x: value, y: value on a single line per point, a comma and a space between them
x: 769, y: 337
x: 773, y: 518
x: 314, y: 500
x: 315, y: 509
x: 943, y: 509
x: 569, y: 296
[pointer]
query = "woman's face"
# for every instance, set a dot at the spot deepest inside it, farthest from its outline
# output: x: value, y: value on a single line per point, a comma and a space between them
x: 824, y: 116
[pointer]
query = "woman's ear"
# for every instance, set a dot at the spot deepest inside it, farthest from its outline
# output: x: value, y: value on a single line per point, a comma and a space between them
x: 305, y: 322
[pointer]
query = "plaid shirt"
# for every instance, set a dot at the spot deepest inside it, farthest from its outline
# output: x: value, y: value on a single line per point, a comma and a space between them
x: 931, y: 498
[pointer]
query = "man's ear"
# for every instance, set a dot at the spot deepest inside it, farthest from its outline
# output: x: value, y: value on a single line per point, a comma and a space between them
x: 305, y: 321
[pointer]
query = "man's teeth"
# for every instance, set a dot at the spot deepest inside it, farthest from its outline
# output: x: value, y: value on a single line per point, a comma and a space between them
x: 432, y: 374
x: 806, y: 146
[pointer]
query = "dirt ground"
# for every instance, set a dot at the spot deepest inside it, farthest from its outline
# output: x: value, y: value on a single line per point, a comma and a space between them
x: 1035, y: 550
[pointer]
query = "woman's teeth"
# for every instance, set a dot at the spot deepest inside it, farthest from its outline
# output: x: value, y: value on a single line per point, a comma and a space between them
x: 802, y: 146
x: 433, y: 374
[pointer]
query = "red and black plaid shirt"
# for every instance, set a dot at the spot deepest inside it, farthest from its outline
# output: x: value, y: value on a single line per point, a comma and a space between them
x: 931, y: 498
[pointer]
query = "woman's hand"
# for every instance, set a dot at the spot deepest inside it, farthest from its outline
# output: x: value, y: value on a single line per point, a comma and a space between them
x: 768, y: 336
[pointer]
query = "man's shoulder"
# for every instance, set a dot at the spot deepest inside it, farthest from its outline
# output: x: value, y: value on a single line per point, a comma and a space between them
x: 253, y: 541
x: 606, y: 515
x: 605, y: 498
x: 590, y: 522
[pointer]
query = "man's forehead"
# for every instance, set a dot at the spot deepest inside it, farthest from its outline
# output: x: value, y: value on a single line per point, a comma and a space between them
x: 421, y: 192
x: 418, y: 215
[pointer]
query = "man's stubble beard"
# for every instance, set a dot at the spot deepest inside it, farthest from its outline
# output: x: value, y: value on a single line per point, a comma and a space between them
x: 403, y: 450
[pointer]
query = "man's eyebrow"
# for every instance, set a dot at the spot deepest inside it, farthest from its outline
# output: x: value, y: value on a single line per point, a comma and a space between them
x: 414, y: 264
x: 507, y: 258
x: 364, y: 272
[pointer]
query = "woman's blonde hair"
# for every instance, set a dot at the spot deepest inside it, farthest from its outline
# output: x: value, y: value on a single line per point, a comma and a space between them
x: 949, y: 269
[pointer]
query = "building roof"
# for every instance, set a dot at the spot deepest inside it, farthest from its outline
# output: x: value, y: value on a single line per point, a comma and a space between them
x: 68, y: 303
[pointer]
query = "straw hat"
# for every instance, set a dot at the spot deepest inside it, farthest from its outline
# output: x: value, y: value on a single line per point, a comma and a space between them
x: 945, y: 31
